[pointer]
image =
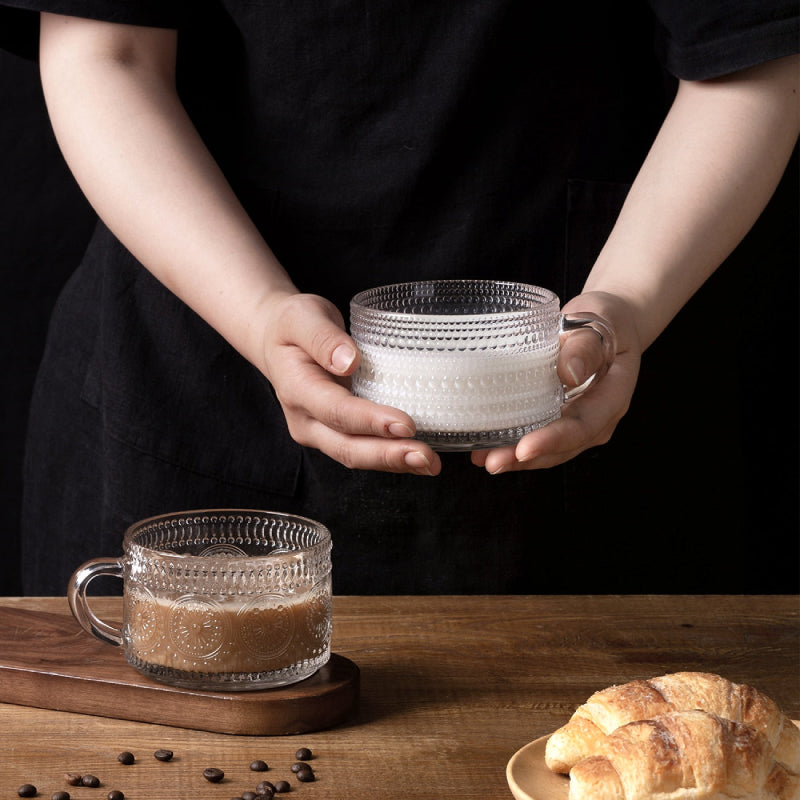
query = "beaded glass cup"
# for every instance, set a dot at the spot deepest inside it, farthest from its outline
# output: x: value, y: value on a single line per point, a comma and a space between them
x: 226, y: 600
x: 472, y: 362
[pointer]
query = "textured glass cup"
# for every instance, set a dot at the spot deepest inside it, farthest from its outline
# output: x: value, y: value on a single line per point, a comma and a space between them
x: 472, y: 362
x: 224, y: 600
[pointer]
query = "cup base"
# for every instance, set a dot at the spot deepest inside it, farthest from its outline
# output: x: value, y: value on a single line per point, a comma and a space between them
x: 230, y: 681
x: 466, y: 441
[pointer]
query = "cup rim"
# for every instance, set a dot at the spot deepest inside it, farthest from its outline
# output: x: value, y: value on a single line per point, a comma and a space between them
x: 359, y: 302
x: 209, y: 514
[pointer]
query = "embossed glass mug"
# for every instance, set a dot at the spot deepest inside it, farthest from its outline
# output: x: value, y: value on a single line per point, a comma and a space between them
x: 472, y: 362
x: 224, y: 600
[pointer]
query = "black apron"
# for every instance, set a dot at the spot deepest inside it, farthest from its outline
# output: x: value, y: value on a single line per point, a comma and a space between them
x: 371, y: 143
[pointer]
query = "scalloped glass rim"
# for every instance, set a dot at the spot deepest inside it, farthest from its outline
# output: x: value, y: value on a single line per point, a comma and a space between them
x: 535, y: 299
x: 214, y: 518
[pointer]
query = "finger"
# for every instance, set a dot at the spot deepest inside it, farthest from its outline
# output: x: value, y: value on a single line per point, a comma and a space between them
x: 553, y: 444
x: 374, y: 453
x: 478, y: 457
x: 586, y: 422
x: 547, y: 447
x: 317, y: 396
x: 562, y: 440
x: 580, y: 357
x: 496, y: 460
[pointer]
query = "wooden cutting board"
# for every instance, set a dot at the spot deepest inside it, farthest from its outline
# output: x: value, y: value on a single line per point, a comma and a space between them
x: 48, y: 661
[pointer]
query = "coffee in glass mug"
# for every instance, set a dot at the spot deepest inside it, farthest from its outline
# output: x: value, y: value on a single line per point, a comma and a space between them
x: 225, y: 599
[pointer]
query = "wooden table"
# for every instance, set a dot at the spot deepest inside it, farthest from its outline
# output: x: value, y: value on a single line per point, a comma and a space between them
x: 451, y: 687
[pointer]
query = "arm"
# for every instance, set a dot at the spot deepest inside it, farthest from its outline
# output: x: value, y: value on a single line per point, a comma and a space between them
x: 714, y: 165
x: 111, y: 96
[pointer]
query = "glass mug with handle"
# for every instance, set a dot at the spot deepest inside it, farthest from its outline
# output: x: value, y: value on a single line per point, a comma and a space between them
x: 472, y: 362
x: 225, y: 600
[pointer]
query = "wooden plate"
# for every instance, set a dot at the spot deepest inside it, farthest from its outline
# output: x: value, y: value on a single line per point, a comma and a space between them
x: 529, y: 778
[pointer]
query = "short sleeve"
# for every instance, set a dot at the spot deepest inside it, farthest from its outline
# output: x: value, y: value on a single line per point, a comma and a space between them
x: 696, y: 41
x: 19, y: 19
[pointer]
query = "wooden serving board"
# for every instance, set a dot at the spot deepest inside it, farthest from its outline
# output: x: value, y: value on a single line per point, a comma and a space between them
x: 48, y: 661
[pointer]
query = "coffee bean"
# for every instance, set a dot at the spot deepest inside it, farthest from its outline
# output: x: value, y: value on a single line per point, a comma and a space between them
x: 249, y: 796
x: 303, y: 754
x: 213, y: 774
x: 265, y: 787
x: 27, y: 790
x: 163, y: 755
x: 60, y: 796
x: 91, y: 781
x: 259, y: 766
x: 306, y: 775
x: 72, y: 778
x: 115, y: 794
x: 282, y: 786
x: 265, y: 793
x: 126, y: 758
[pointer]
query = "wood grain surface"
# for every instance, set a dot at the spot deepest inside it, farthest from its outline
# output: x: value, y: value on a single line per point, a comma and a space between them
x: 451, y: 688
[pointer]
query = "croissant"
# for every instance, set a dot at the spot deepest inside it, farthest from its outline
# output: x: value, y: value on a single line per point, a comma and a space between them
x: 607, y: 710
x: 684, y: 755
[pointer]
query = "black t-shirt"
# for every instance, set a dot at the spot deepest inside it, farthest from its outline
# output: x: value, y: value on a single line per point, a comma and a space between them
x: 400, y: 140
x: 371, y: 143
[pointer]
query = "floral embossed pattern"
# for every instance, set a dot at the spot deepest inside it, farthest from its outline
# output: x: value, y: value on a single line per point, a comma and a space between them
x: 197, y: 627
x: 142, y: 624
x: 266, y: 626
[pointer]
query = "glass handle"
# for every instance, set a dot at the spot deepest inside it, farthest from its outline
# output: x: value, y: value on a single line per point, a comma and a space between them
x: 79, y: 604
x: 587, y: 321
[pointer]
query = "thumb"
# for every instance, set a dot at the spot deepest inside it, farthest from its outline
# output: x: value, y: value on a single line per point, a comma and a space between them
x: 317, y: 326
x: 344, y: 358
x: 587, y: 349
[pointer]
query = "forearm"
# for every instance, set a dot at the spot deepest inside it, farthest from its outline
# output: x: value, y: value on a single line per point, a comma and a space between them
x: 132, y: 148
x: 712, y: 169
x: 136, y: 155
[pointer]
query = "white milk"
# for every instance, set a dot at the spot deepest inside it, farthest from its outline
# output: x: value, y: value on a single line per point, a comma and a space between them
x: 455, y: 391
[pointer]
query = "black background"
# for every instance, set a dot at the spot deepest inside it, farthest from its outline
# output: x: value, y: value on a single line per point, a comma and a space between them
x: 706, y: 460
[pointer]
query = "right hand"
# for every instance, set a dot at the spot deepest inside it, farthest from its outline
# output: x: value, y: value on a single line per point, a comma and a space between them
x: 309, y: 358
x: 590, y: 419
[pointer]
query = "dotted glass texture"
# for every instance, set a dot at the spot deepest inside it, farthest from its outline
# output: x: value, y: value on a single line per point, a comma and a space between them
x: 472, y: 362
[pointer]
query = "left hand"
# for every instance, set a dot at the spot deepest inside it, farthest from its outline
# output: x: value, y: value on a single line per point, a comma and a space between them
x: 590, y: 419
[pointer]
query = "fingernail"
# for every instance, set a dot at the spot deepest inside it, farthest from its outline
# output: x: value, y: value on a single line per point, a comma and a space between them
x: 576, y: 369
x: 501, y: 468
x: 400, y: 430
x: 418, y: 462
x: 342, y: 357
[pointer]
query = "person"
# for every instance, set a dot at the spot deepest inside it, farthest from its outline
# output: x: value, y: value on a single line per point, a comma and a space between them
x: 253, y: 165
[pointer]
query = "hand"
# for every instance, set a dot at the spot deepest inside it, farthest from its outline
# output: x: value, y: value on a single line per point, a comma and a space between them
x: 308, y: 358
x: 590, y: 419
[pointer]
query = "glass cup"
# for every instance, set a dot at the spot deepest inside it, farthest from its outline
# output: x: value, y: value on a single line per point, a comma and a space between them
x: 472, y: 362
x: 224, y: 600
